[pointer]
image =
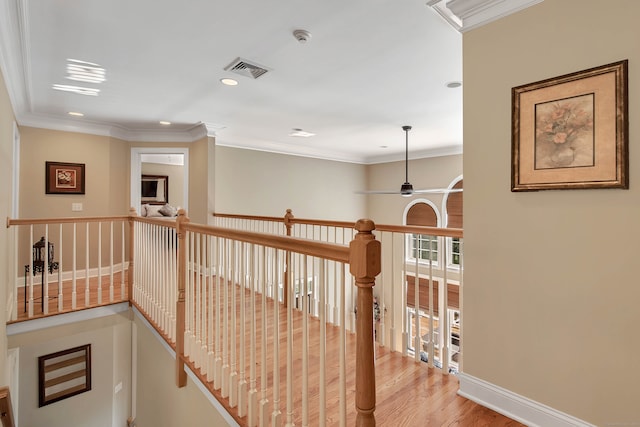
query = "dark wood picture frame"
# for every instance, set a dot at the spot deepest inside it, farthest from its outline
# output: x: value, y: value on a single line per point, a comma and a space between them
x: 154, y: 189
x: 572, y: 131
x: 64, y: 178
x: 64, y: 374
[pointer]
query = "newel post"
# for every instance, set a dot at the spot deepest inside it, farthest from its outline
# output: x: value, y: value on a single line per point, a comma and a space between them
x: 288, y: 223
x: 365, y: 264
x: 181, y: 375
x: 132, y: 246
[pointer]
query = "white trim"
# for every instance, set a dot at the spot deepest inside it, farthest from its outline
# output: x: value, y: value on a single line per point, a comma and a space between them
x: 66, y: 276
x: 12, y: 373
x: 65, y: 319
x: 15, y: 188
x: 465, y: 15
x: 425, y: 201
x: 514, y: 406
x: 214, y: 402
x: 445, y: 199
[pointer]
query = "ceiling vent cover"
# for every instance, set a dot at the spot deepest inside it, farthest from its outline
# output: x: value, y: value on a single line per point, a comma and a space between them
x: 246, y: 68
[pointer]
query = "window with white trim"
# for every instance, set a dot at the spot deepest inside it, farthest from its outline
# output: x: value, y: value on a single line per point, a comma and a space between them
x: 453, y: 209
x: 422, y: 246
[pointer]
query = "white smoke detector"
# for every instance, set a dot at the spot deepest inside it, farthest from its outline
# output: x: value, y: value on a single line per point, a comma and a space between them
x: 302, y: 35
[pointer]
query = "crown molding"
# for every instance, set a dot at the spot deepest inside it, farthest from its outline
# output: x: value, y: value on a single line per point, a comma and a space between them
x: 13, y: 58
x: 465, y: 15
x: 415, y: 155
x: 190, y: 134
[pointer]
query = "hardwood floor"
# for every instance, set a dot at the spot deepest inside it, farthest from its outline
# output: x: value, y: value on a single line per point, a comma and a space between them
x: 408, y: 394
x: 119, y: 295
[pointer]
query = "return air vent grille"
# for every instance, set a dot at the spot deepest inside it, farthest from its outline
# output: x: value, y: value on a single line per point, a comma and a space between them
x: 246, y: 68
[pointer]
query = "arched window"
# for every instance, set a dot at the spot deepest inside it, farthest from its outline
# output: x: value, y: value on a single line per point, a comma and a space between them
x: 422, y: 246
x: 453, y: 209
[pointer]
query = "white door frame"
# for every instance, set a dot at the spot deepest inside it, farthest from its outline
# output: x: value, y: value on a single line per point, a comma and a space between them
x: 136, y: 172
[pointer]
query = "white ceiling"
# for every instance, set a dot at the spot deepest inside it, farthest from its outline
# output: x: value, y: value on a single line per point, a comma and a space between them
x: 369, y: 67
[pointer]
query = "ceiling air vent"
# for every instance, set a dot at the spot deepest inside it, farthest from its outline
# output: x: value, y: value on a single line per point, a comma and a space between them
x: 246, y: 68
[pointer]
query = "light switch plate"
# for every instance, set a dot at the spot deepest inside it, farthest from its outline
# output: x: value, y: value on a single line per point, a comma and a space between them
x: 76, y: 207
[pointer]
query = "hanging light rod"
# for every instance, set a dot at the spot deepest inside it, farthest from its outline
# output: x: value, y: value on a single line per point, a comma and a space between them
x: 406, y: 189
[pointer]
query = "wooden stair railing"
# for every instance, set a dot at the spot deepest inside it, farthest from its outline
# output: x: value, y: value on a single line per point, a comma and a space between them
x: 426, y: 337
x: 363, y: 257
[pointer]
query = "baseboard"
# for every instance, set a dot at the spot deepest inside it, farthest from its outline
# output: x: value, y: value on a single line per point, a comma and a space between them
x: 512, y: 405
x: 80, y: 274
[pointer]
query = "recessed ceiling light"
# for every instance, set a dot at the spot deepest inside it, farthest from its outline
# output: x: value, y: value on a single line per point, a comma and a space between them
x: 301, y: 133
x: 77, y: 89
x: 75, y: 113
x: 453, y: 85
x: 165, y: 123
x: 229, y: 82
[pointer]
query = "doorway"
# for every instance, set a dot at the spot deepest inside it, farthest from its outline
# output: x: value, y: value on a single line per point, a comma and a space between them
x: 168, y: 159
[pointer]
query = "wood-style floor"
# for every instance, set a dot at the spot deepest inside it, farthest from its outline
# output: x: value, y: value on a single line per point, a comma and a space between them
x: 407, y: 393
x: 119, y: 295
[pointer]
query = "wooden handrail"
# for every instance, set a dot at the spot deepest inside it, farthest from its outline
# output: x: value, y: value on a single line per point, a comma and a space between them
x: 6, y: 411
x: 35, y: 221
x: 415, y: 229
x: 331, y: 251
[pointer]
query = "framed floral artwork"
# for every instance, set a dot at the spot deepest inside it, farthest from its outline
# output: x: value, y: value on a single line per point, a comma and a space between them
x: 64, y: 178
x: 571, y: 131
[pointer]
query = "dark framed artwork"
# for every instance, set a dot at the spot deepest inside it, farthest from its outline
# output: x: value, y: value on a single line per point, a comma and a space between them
x: 64, y: 374
x: 154, y: 189
x: 572, y: 131
x: 64, y: 178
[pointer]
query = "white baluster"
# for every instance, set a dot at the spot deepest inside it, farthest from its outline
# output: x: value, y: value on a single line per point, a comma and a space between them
x: 233, y: 374
x: 242, y: 383
x: 445, y: 333
x: 30, y: 273
x: 210, y: 284
x: 343, y: 351
x: 289, y: 308
x: 122, y: 260
x: 264, y: 402
x: 60, y: 254
x: 323, y: 343
x: 304, y: 291
x: 252, y: 416
x: 99, y: 263
x: 111, y: 261
x: 225, y: 323
x: 74, y: 275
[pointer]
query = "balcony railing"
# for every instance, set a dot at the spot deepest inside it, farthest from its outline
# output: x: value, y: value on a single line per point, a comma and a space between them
x: 217, y: 295
x: 409, y: 319
x: 236, y: 299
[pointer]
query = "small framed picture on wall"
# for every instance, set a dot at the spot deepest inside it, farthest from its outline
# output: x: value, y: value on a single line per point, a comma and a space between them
x: 64, y: 178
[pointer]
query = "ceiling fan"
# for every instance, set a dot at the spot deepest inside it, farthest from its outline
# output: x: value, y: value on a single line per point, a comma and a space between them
x: 406, y: 189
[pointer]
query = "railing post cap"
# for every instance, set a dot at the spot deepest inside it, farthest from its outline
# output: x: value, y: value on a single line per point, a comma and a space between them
x: 365, y: 225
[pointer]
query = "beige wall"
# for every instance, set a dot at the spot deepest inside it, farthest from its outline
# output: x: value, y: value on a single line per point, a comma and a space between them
x: 159, y: 402
x: 199, y: 181
x: 434, y: 172
x: 6, y: 176
x: 106, y: 165
x: 550, y: 292
x: 110, y: 339
x: 260, y: 183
